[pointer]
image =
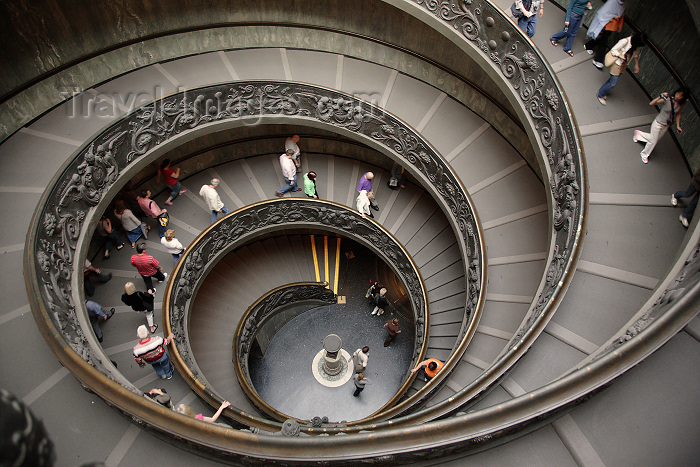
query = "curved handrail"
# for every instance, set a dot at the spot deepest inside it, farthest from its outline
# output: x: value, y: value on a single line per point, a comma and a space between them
x: 253, y: 319
x: 556, y: 134
x: 68, y: 209
x: 247, y: 223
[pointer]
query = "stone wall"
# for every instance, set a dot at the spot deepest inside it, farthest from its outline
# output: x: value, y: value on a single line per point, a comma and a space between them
x: 671, y: 58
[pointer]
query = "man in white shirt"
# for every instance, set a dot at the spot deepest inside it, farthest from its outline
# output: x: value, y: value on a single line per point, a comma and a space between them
x: 212, y: 198
x: 289, y: 172
x: 361, y: 358
x: 291, y: 143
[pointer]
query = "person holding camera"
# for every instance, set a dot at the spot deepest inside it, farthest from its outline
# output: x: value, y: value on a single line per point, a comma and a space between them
x: 670, y: 112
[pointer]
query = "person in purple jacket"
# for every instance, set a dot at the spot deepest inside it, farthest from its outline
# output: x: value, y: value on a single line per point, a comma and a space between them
x: 366, y: 185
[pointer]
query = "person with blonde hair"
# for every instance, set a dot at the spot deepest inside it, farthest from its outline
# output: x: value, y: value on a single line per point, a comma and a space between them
x: 140, y: 301
x: 134, y: 228
x: 187, y: 410
x: 172, y: 244
x: 364, y: 203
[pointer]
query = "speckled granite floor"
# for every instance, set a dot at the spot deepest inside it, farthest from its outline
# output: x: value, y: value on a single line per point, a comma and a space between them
x: 284, y: 378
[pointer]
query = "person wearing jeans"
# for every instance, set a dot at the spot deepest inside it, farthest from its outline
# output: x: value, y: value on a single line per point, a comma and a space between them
x: 572, y: 23
x: 152, y: 350
x: 623, y: 52
x: 212, y: 198
x: 528, y: 21
x: 289, y: 172
x: 692, y: 190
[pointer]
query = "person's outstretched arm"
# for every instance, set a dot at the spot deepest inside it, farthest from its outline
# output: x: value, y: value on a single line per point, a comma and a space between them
x: 212, y: 419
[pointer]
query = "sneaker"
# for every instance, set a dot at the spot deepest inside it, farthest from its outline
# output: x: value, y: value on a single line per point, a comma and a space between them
x: 598, y: 65
x: 111, y: 313
x: 683, y: 220
x: 602, y: 100
x: 590, y: 52
x: 645, y: 159
x: 635, y: 138
x: 163, y: 376
x: 674, y: 200
x: 165, y: 277
x: 169, y: 377
x: 374, y: 312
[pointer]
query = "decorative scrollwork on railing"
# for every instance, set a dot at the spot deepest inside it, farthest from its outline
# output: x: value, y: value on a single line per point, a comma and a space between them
x: 544, y: 104
x: 71, y: 203
x: 242, y: 226
x: 260, y: 312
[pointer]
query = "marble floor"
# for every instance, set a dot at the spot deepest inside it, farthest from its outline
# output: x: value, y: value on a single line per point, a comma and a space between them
x: 284, y: 377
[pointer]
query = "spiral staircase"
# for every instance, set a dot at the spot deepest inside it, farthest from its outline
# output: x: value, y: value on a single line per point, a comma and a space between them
x: 536, y: 409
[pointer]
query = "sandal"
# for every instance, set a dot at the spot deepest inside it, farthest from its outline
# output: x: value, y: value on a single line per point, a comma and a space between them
x: 554, y: 43
x: 119, y: 247
x: 571, y: 54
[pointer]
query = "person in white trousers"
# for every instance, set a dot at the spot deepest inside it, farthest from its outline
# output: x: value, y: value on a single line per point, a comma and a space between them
x: 670, y: 112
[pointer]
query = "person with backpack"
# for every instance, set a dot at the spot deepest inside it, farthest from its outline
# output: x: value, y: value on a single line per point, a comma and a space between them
x: 151, y: 209
x: 152, y: 350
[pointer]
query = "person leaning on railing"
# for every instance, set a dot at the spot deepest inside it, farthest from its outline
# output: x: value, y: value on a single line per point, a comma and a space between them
x: 187, y: 410
x: 431, y: 368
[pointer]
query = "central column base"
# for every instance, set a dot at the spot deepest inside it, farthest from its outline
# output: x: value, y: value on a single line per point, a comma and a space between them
x: 328, y: 380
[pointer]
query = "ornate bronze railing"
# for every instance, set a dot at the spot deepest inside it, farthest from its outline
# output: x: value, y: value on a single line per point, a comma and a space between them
x: 485, y: 33
x: 70, y: 207
x: 253, y: 320
x: 243, y: 226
